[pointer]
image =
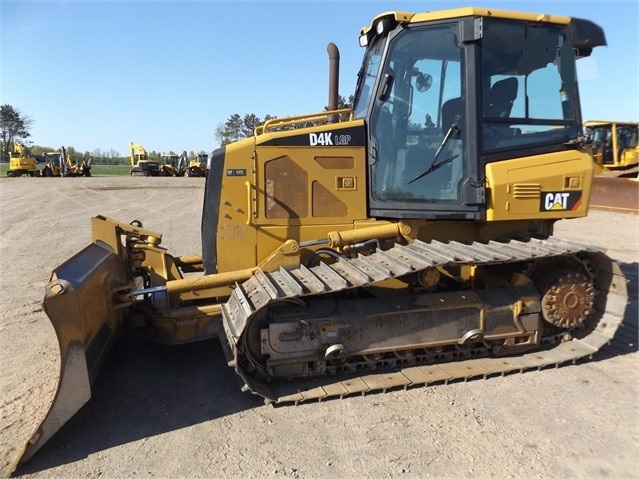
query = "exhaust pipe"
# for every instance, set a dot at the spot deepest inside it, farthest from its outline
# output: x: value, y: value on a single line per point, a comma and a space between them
x: 333, y: 80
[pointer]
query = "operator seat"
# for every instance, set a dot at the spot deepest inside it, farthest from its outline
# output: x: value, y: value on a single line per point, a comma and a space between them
x: 452, y: 113
x: 502, y: 96
x: 442, y: 183
x: 413, y: 161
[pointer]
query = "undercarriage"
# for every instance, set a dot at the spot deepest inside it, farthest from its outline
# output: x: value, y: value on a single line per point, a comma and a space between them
x: 418, y: 314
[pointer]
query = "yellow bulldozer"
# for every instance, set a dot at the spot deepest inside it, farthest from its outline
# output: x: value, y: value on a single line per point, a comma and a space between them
x: 21, y: 163
x: 403, y: 242
x: 614, y: 146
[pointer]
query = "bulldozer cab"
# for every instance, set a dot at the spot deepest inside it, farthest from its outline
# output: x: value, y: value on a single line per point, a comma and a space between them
x: 442, y: 99
x: 458, y: 115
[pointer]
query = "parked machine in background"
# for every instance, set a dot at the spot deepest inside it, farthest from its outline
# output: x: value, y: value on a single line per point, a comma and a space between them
x: 84, y: 168
x: 174, y: 165
x: 614, y: 146
x: 56, y: 163
x: 59, y: 163
x: 197, y: 167
x: 141, y: 165
x: 405, y: 241
x: 169, y: 166
x: 21, y: 163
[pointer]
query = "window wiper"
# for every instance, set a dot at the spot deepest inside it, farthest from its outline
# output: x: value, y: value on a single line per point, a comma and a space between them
x: 434, y: 165
x: 433, y: 168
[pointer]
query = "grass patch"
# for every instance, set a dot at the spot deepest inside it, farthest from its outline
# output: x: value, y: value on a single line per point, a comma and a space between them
x: 110, y: 170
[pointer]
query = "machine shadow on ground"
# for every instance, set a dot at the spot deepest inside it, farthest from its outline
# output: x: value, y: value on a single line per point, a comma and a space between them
x: 627, y: 337
x: 146, y: 389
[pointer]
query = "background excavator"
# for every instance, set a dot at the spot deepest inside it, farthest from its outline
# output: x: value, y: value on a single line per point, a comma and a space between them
x: 405, y: 241
x: 20, y: 163
x: 141, y: 165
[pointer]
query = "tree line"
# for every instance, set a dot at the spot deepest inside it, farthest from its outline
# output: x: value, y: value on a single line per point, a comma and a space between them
x: 15, y: 126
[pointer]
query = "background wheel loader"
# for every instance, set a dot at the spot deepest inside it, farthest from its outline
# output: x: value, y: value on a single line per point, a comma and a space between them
x: 59, y: 163
x: 198, y: 166
x: 405, y: 241
x: 173, y: 165
x: 55, y: 164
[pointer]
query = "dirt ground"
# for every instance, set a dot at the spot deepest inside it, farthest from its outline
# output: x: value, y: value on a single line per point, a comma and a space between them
x: 178, y: 412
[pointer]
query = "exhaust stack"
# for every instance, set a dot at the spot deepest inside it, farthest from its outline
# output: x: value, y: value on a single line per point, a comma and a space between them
x: 333, y: 79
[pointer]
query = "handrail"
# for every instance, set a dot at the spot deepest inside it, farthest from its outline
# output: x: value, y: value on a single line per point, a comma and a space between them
x: 297, y: 120
x: 249, y: 221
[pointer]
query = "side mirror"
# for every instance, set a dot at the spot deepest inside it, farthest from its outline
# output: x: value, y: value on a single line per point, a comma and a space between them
x: 387, y: 86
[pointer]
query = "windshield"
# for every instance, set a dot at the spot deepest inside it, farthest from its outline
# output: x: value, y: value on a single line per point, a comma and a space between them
x: 416, y: 123
x: 528, y: 85
x: 366, y: 78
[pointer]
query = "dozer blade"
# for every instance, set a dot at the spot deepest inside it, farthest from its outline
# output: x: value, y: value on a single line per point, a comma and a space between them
x: 85, y: 301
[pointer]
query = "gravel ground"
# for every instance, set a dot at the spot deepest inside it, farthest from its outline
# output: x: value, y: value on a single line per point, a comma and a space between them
x: 178, y: 412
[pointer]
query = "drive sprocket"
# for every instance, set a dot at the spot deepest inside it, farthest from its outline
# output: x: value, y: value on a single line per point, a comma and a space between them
x: 567, y: 290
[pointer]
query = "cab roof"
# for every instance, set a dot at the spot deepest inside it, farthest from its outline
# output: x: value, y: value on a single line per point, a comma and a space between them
x: 409, y: 17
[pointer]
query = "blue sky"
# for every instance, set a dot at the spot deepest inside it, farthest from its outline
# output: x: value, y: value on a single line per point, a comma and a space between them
x: 164, y: 74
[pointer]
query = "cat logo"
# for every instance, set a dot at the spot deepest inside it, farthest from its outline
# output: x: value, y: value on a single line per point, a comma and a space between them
x: 560, y: 201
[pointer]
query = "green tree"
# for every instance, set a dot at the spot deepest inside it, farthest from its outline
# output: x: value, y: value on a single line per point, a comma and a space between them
x: 344, y: 103
x: 236, y: 127
x: 14, y: 125
x: 341, y: 104
x: 230, y: 131
x: 249, y: 123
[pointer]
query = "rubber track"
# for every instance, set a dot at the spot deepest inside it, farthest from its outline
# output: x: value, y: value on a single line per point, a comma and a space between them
x: 258, y: 291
